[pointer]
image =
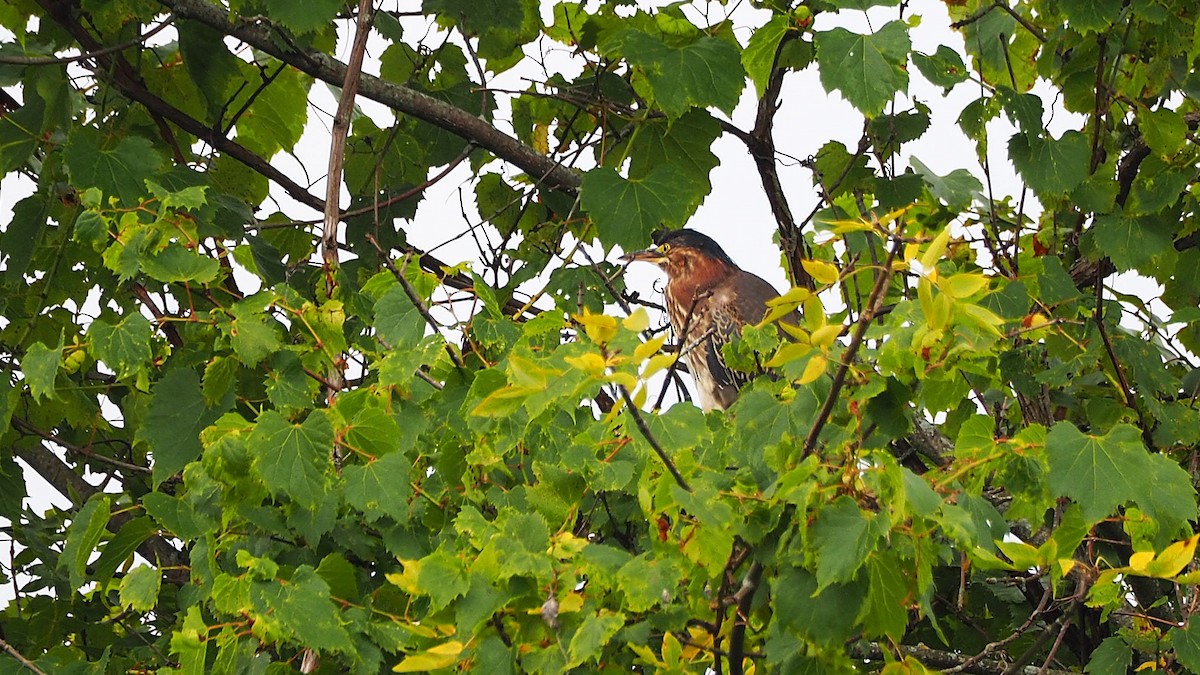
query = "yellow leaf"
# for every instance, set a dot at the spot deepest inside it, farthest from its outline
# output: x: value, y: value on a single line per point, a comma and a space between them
x: 573, y: 602
x: 592, y: 364
x: 844, y: 226
x: 911, y: 251
x: 963, y: 285
x: 813, y: 369
x: 814, y: 312
x: 638, y: 321
x: 788, y: 353
x: 1147, y: 665
x: 434, y: 658
x: 1065, y: 565
x: 659, y: 362
x: 936, y: 250
x: 406, y: 579
x: 651, y: 346
x: 825, y: 335
x: 798, y: 334
x: 1173, y: 558
x: 823, y: 272
x: 785, y: 304
x: 599, y: 327
x: 541, y: 138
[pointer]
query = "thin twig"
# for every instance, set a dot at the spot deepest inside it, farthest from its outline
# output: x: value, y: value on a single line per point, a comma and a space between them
x: 416, y: 299
x: 646, y: 433
x: 26, y: 663
x: 61, y: 60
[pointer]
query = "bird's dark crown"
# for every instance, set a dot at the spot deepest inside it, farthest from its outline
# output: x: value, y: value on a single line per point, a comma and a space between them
x: 692, y: 239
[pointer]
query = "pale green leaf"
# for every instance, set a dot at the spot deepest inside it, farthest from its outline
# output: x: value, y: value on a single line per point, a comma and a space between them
x: 124, y: 347
x: 139, y: 588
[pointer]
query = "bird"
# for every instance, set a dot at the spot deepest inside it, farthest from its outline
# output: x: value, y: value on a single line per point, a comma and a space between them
x: 708, y: 300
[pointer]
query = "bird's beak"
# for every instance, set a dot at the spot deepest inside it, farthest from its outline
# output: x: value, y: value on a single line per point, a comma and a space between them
x: 652, y: 255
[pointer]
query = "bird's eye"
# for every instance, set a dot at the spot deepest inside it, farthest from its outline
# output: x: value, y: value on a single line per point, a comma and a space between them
x: 664, y: 248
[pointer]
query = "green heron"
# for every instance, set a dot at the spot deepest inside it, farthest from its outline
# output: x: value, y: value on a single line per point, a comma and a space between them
x: 708, y: 298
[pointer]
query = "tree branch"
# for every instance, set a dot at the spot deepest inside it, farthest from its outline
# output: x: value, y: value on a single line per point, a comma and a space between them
x: 261, y: 35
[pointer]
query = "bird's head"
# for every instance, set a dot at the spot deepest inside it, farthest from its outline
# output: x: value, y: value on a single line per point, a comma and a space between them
x: 684, y: 254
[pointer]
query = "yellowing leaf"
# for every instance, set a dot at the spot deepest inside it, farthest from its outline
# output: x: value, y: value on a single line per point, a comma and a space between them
x: 823, y: 272
x: 573, y: 602
x: 785, y: 304
x: 825, y: 335
x: 1173, y: 558
x: 406, y: 580
x: 441, y: 656
x: 814, y: 312
x: 813, y: 369
x: 638, y: 321
x: 503, y: 401
x: 592, y: 364
x: 936, y: 250
x: 599, y: 327
x: 844, y: 226
x: 1022, y: 555
x: 651, y: 346
x: 788, y: 353
x: 963, y: 285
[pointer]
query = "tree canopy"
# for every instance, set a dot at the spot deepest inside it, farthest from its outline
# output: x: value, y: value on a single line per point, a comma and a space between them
x: 291, y: 439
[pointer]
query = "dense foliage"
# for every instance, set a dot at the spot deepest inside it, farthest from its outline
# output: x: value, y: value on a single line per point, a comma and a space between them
x: 304, y: 444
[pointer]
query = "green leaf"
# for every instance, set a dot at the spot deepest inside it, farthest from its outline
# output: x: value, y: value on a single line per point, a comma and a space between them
x: 294, y: 459
x: 943, y: 68
x: 303, y: 16
x: 884, y: 612
x: 1131, y: 243
x: 686, y: 144
x: 40, y: 367
x: 826, y: 616
x: 842, y: 536
x: 380, y: 487
x: 173, y: 422
x: 589, y: 641
x: 119, y: 168
x: 759, y: 55
x: 178, y: 516
x: 1110, y: 658
x: 277, y: 117
x: 1168, y: 495
x: 139, y: 588
x: 1186, y: 642
x: 302, y: 607
x: 398, y: 320
x: 646, y: 582
x: 442, y: 577
x: 122, y: 546
x: 707, y: 72
x: 868, y: 70
x: 1099, y: 472
x: 125, y: 347
x: 1051, y: 167
x: 83, y: 535
x: 957, y: 188
x: 502, y: 25
x: 1090, y: 16
x: 626, y: 211
x: 1164, y: 130
x: 176, y: 263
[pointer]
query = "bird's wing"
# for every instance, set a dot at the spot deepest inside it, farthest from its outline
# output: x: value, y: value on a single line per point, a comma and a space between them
x: 745, y: 298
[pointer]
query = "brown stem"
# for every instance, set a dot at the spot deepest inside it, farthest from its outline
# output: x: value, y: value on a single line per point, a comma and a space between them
x: 874, y: 304
x: 263, y: 36
x: 649, y: 436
